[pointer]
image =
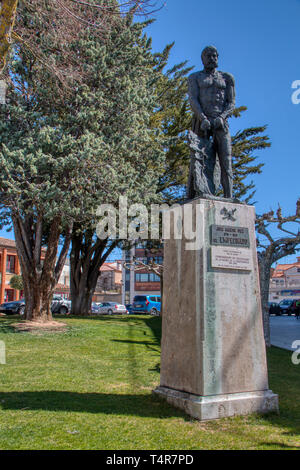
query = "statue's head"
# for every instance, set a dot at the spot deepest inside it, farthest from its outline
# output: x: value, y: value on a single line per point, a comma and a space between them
x: 209, y: 57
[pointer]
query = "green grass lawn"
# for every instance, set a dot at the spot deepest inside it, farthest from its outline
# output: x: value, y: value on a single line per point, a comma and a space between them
x: 90, y: 388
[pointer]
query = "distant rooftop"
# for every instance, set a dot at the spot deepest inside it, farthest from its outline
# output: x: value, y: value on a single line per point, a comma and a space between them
x: 281, y: 268
x: 7, y: 243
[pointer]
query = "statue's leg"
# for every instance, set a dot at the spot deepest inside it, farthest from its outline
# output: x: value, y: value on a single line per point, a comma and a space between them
x: 223, y: 144
x: 210, y: 167
x: 191, y: 181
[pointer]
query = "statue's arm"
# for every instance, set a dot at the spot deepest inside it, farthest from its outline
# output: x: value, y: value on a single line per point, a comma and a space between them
x: 230, y: 93
x: 193, y: 92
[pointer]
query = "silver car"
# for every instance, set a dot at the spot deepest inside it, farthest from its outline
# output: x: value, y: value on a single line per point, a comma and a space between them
x: 95, y: 307
x: 111, y: 307
x: 60, y: 305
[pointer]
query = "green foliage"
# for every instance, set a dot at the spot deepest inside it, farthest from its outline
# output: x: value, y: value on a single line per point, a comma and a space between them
x: 171, y: 118
x: 244, y: 145
x: 16, y: 282
x: 94, y: 144
x: 66, y: 151
x: 68, y: 154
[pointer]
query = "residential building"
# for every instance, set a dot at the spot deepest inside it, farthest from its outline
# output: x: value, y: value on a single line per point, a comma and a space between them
x: 285, y: 282
x: 9, y: 266
x: 109, y: 283
x: 63, y: 286
x: 140, y: 282
x: 110, y: 278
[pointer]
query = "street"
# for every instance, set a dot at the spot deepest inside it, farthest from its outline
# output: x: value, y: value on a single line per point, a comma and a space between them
x: 284, y: 331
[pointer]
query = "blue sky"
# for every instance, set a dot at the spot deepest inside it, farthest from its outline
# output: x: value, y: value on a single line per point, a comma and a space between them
x: 258, y: 43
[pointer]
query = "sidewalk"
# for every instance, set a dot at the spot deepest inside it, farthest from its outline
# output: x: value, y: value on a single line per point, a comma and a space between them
x: 284, y: 331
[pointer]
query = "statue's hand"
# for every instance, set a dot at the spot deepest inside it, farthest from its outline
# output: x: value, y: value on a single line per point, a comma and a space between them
x: 205, y: 125
x: 218, y: 123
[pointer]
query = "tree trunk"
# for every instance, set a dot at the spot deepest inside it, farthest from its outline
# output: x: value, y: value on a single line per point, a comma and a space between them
x: 80, y: 261
x: 40, y: 274
x: 7, y: 20
x: 38, y: 296
x: 264, y: 279
x: 87, y: 256
x: 81, y: 298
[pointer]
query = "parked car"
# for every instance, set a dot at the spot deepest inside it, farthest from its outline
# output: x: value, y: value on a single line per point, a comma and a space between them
x: 60, y: 305
x: 111, y: 307
x: 285, y: 305
x: 16, y: 307
x: 95, y: 307
x: 129, y: 308
x: 274, y: 308
x: 147, y: 304
x: 292, y: 310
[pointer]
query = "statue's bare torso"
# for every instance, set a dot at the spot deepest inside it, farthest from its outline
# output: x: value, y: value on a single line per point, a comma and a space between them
x: 211, y: 94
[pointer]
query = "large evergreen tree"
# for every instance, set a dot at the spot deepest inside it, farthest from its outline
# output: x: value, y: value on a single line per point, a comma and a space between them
x: 245, y: 143
x: 66, y: 17
x: 172, y: 118
x: 61, y: 158
x: 121, y: 96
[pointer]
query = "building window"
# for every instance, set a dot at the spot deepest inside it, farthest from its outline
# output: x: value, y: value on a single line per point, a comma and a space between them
x: 142, y: 277
x: 140, y: 245
x: 145, y: 277
x: 154, y: 278
x: 8, y: 295
x: 11, y: 264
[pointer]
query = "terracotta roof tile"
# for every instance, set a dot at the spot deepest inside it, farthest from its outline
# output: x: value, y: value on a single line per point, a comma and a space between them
x: 110, y: 267
x: 281, y: 268
x: 106, y: 268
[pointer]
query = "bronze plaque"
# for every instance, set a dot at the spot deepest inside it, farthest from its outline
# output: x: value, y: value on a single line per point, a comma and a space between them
x: 230, y: 236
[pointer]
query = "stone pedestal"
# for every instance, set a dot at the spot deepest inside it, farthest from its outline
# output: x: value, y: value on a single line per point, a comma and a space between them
x: 213, y: 360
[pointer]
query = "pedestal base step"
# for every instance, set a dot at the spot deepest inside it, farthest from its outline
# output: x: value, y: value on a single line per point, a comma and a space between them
x: 220, y: 406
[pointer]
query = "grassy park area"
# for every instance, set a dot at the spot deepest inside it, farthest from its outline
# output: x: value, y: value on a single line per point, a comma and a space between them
x: 89, y: 387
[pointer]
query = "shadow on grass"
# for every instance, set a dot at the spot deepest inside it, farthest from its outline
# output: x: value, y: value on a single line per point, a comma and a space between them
x: 102, y: 403
x: 154, y: 323
x: 281, y: 445
x: 6, y: 322
x: 149, y: 344
x: 105, y: 318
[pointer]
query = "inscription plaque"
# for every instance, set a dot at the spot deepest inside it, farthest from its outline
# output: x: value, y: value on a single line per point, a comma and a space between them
x: 231, y: 258
x: 230, y: 236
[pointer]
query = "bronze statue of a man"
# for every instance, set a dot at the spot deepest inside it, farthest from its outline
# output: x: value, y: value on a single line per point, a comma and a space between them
x: 212, y: 98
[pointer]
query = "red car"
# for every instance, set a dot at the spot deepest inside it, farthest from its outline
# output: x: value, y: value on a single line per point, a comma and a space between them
x: 294, y: 309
